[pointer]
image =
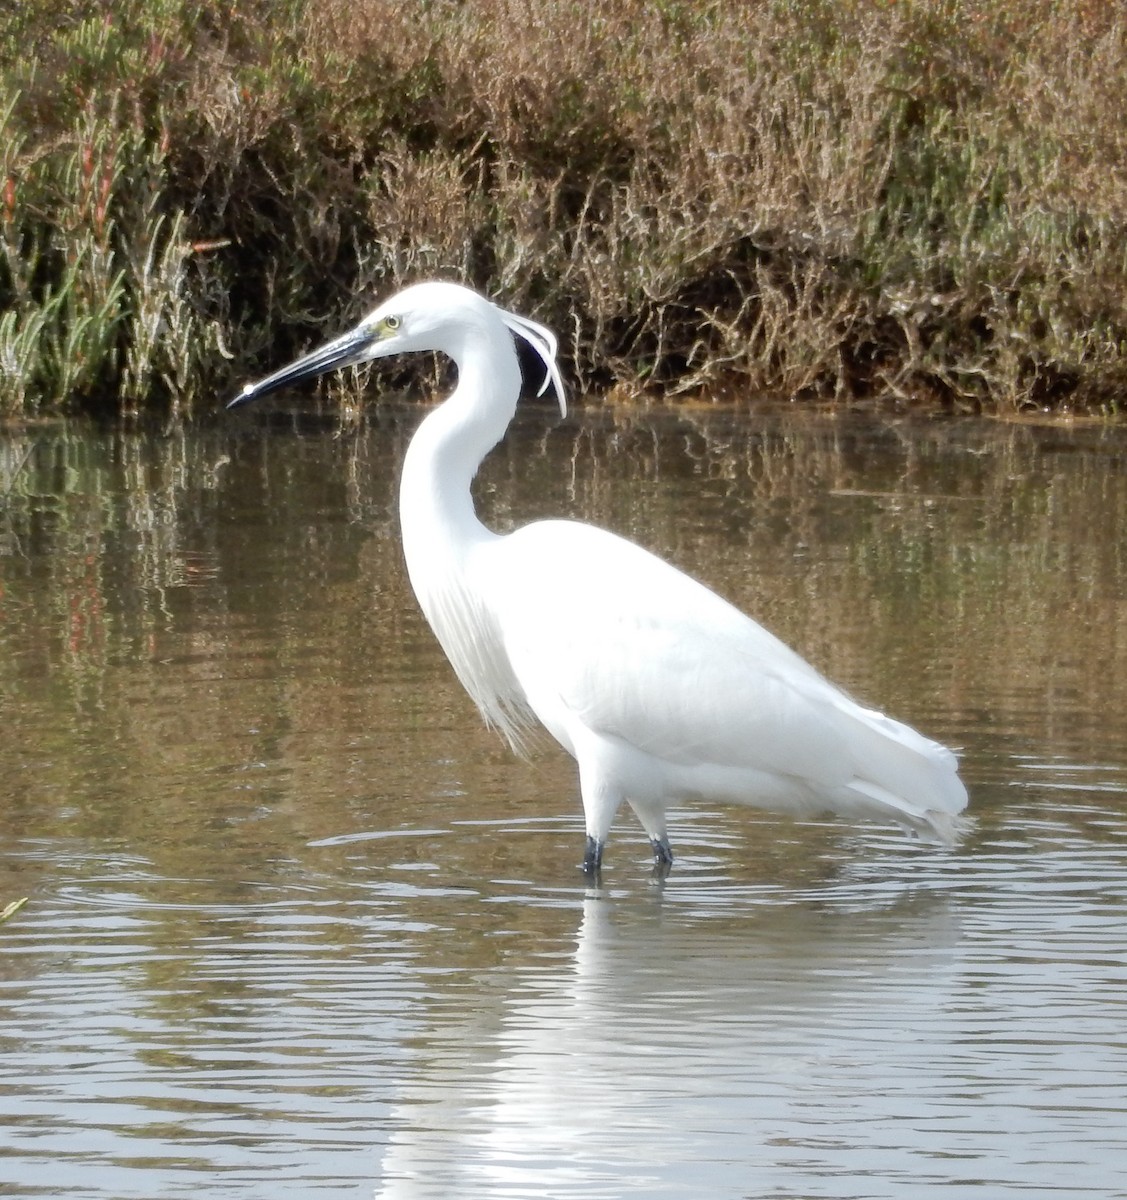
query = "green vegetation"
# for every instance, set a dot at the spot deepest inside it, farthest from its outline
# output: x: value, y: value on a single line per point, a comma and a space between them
x: 924, y: 199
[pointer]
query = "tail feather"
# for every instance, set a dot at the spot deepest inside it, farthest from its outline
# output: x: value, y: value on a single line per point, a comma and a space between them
x: 901, y: 775
x: 864, y: 799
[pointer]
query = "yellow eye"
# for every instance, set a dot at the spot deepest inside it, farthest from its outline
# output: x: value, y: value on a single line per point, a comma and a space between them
x: 391, y: 324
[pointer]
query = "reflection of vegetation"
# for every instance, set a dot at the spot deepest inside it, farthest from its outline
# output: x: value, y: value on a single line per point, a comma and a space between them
x: 886, y: 559
x: 811, y: 200
x: 10, y: 910
x: 211, y: 667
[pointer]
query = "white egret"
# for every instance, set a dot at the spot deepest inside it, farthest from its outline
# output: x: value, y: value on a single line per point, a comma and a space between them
x: 661, y: 691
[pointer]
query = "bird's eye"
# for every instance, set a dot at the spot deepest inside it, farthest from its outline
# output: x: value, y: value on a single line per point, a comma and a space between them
x: 391, y: 323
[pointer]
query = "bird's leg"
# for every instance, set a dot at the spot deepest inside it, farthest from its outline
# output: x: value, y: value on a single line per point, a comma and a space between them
x: 663, y: 856
x: 651, y: 813
x: 601, y: 800
x: 593, y: 857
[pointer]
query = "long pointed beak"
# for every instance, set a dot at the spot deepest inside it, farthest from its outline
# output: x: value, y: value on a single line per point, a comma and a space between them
x: 344, y: 351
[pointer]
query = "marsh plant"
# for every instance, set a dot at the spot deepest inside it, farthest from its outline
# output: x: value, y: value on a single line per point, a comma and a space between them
x: 100, y: 305
x: 924, y: 200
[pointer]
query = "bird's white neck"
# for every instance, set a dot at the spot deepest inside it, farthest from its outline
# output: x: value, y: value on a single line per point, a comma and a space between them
x: 436, y: 509
x: 441, y: 530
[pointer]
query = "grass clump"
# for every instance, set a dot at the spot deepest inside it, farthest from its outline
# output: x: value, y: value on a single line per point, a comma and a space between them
x: 925, y: 200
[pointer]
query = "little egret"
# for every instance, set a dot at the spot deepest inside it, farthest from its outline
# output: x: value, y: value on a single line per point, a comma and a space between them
x: 659, y: 689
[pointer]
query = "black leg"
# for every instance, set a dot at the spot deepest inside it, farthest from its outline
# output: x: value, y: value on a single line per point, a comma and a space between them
x: 663, y: 856
x: 593, y: 857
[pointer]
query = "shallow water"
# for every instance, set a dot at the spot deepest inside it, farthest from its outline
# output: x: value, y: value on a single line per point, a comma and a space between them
x: 299, y: 926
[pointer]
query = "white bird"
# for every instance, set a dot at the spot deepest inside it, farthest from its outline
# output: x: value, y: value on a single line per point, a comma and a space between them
x: 661, y: 691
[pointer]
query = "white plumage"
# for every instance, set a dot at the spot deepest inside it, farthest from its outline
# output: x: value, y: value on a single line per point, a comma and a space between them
x: 661, y: 690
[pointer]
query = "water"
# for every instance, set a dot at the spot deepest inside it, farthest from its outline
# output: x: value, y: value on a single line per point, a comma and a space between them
x: 299, y: 926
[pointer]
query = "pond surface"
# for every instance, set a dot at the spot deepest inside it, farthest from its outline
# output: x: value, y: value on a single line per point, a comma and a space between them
x: 298, y: 925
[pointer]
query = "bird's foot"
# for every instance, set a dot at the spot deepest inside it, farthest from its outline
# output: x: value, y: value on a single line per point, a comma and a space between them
x: 593, y: 859
x: 663, y: 856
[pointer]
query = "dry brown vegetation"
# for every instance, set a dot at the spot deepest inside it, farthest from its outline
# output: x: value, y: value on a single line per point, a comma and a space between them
x: 922, y: 200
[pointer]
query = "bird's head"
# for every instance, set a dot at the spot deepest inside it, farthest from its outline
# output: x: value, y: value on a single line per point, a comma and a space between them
x: 428, y: 316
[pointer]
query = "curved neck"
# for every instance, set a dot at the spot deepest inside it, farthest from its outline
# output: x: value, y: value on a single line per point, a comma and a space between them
x: 435, y: 503
x: 440, y: 528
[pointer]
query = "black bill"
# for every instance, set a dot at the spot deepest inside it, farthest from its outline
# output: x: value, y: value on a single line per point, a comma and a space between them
x: 344, y: 351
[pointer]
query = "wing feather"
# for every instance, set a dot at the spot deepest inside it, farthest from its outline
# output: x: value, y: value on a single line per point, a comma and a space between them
x: 641, y: 652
